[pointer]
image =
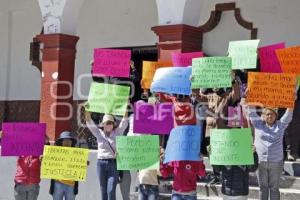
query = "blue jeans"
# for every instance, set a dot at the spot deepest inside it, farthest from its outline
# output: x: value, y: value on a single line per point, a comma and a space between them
x: 268, y: 174
x: 148, y: 192
x: 62, y: 190
x: 125, y: 185
x: 176, y: 196
x: 108, y: 178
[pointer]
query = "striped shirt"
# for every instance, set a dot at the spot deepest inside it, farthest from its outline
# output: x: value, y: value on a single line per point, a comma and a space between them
x: 107, y: 144
x: 269, y: 140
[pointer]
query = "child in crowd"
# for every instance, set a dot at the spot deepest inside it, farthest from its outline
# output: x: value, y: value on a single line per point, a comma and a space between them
x: 27, y: 178
x: 269, y: 134
x: 64, y: 189
x: 107, y: 166
x: 184, y: 177
x: 148, y: 184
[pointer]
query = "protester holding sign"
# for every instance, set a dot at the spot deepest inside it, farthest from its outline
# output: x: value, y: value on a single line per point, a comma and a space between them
x: 217, y: 103
x: 269, y: 146
x: 235, y: 180
x: 107, y: 166
x: 184, y: 177
x: 27, y: 178
x: 64, y: 189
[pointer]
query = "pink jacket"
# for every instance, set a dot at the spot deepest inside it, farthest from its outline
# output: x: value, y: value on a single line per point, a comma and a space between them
x: 185, y: 174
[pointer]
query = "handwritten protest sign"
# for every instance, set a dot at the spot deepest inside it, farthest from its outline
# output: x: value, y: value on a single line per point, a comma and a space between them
x: 137, y: 152
x: 235, y: 117
x: 243, y: 54
x: 183, y: 144
x: 111, y: 62
x: 231, y: 147
x: 23, y: 139
x: 64, y: 163
x: 211, y: 72
x: 172, y: 80
x: 268, y: 59
x: 108, y: 98
x: 289, y: 59
x: 153, y: 118
x: 149, y: 68
x: 184, y: 59
x: 271, y: 90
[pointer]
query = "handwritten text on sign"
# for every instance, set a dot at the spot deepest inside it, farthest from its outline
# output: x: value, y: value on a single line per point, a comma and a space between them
x: 243, y: 54
x: 153, y: 118
x: 111, y: 62
x: 64, y: 163
x: 268, y: 59
x: 289, y: 59
x: 184, y: 59
x: 271, y: 90
x: 183, y: 144
x: 108, y: 98
x: 231, y: 147
x: 137, y: 152
x: 211, y: 72
x: 23, y: 139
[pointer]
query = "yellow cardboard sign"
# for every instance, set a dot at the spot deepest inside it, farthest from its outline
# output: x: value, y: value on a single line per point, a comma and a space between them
x: 64, y: 163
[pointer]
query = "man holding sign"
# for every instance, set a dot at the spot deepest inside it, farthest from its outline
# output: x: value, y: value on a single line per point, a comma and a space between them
x: 232, y: 156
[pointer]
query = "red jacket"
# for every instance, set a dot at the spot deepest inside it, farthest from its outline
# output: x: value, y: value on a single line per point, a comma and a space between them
x: 184, y: 110
x: 28, y: 170
x: 185, y: 174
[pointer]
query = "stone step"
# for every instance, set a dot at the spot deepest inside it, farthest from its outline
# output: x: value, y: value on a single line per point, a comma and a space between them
x: 167, y: 196
x: 285, y: 180
x: 214, y: 191
x: 290, y: 168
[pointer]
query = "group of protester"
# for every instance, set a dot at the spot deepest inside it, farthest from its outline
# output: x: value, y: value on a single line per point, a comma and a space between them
x: 268, y: 134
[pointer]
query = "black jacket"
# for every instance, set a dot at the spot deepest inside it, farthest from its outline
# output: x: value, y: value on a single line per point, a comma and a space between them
x: 235, y: 179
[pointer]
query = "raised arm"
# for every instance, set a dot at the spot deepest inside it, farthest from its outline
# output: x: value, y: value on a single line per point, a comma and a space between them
x: 254, y: 117
x: 92, y: 126
x: 199, y: 96
x: 286, y: 119
x: 235, y: 94
x: 123, y: 124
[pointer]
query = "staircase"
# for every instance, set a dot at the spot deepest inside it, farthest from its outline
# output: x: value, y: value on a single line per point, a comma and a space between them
x: 289, y: 185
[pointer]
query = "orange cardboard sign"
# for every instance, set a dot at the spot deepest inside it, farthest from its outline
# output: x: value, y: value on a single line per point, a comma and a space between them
x: 271, y: 90
x: 149, y: 68
x: 289, y: 59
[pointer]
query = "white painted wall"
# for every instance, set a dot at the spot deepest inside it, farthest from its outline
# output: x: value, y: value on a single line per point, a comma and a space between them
x: 116, y: 23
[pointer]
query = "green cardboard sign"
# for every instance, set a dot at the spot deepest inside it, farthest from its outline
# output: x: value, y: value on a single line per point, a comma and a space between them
x: 243, y: 54
x: 137, y: 152
x: 211, y: 72
x: 108, y: 98
x: 231, y: 147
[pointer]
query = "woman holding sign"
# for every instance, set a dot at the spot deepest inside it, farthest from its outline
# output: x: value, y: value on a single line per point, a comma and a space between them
x: 268, y: 142
x: 107, y: 166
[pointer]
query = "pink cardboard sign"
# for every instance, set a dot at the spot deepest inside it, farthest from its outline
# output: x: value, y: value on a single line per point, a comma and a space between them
x: 111, y: 62
x: 185, y: 59
x: 153, y: 118
x: 268, y: 59
x: 23, y: 139
x: 235, y: 118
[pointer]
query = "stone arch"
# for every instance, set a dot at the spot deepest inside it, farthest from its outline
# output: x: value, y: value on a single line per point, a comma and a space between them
x: 172, y: 12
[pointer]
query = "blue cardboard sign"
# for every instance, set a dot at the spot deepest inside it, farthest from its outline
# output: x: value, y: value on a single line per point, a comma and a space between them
x: 183, y: 144
x: 172, y: 80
